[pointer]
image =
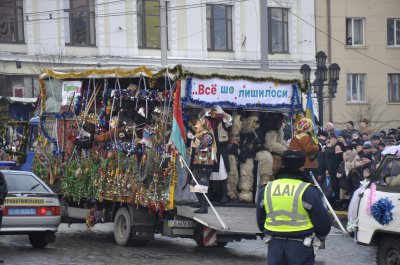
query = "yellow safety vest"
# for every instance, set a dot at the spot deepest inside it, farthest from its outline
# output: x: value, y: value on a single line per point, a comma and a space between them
x: 284, y: 206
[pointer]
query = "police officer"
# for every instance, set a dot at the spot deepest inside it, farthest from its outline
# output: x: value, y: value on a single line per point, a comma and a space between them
x: 291, y: 214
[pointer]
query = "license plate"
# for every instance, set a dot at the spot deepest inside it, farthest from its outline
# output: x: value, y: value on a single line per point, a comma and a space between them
x: 180, y: 223
x: 22, y: 211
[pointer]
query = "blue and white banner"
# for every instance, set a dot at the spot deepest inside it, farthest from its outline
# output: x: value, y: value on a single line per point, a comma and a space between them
x: 241, y: 93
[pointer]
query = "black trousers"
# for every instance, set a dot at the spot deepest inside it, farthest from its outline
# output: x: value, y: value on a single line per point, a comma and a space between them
x: 289, y: 252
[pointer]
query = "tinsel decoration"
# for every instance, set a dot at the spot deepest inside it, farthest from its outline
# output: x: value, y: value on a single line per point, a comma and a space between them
x: 100, y: 72
x: 297, y: 82
x: 382, y: 211
x: 57, y: 151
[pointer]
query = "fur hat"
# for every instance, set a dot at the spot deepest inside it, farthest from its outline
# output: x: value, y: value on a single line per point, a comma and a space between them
x: 293, y: 159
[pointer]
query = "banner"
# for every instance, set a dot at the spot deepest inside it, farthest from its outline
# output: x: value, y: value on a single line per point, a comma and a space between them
x: 70, y: 89
x: 240, y: 93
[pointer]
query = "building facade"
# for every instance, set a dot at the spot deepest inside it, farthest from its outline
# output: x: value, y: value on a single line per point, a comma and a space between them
x: 37, y: 34
x: 364, y: 39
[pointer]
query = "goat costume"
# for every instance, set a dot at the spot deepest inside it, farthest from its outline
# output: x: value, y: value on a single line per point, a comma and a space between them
x: 250, y: 145
x: 233, y: 175
x: 274, y: 142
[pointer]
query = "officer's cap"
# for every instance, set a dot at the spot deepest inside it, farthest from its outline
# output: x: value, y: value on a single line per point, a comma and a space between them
x: 293, y: 159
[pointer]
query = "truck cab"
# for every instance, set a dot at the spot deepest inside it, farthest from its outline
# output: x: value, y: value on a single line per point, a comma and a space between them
x: 378, y: 212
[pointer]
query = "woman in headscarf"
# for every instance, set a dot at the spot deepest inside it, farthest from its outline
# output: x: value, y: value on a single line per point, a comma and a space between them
x: 302, y: 141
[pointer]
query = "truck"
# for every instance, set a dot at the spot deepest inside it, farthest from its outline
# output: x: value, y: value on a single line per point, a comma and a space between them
x: 103, y: 145
x: 375, y: 216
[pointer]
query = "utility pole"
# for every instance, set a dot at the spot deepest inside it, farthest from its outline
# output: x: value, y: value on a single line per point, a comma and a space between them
x: 163, y: 33
x: 264, y: 35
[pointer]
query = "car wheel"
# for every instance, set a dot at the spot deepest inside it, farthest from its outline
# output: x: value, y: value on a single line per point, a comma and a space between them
x: 38, y: 240
x: 122, y: 227
x: 388, y: 252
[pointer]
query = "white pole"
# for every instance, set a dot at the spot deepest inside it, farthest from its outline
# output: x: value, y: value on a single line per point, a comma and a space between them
x: 209, y: 202
x: 328, y: 204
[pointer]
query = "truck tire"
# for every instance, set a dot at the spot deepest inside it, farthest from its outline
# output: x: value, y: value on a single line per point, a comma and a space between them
x: 122, y: 227
x: 38, y: 240
x: 388, y: 252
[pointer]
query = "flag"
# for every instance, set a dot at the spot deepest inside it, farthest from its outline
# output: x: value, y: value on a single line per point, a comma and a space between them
x: 310, y: 115
x: 178, y: 137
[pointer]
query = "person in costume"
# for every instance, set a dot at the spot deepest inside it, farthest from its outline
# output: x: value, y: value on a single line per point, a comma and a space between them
x: 221, y: 123
x: 203, y: 151
x: 302, y: 141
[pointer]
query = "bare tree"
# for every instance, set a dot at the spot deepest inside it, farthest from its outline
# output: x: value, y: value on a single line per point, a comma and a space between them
x: 371, y: 110
x: 45, y: 59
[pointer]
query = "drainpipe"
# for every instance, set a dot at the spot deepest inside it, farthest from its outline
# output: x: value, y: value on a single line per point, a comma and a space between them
x: 264, y: 66
x: 163, y: 32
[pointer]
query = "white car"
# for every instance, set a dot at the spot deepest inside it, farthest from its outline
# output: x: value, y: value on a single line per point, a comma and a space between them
x: 31, y: 208
x: 377, y: 208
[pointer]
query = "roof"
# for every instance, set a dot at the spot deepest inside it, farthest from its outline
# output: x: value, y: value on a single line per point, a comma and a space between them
x: 20, y: 100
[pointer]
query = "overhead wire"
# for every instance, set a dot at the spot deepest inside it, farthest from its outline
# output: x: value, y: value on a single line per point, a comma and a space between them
x: 341, y: 42
x: 153, y: 11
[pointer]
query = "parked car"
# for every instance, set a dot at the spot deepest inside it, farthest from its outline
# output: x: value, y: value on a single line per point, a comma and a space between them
x: 31, y: 208
x: 378, y: 212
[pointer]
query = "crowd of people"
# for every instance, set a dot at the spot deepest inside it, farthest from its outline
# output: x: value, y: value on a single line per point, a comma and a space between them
x: 349, y: 156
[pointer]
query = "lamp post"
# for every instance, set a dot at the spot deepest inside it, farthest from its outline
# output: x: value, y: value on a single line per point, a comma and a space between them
x: 322, y: 74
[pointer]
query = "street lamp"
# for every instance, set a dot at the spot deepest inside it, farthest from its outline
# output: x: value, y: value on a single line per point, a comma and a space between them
x: 322, y: 74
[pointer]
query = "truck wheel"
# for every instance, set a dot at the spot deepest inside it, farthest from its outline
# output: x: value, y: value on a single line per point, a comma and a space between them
x: 122, y: 227
x: 388, y: 252
x: 37, y: 240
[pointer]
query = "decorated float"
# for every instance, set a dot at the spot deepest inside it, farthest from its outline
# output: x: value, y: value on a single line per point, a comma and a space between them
x: 104, y: 144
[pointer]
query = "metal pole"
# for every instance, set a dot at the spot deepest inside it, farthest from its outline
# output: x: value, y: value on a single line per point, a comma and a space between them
x: 163, y: 33
x: 330, y: 108
x: 224, y: 226
x: 320, y: 103
x: 264, y: 35
x: 328, y: 204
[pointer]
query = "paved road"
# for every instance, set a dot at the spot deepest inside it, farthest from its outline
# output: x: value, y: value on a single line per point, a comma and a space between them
x: 75, y: 245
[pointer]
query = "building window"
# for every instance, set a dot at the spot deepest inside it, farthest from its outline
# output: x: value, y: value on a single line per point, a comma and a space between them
x: 356, y: 87
x: 394, y: 87
x: 11, y: 21
x: 148, y: 20
x: 355, y: 31
x: 393, y: 32
x: 219, y: 28
x: 79, y: 22
x: 278, y: 30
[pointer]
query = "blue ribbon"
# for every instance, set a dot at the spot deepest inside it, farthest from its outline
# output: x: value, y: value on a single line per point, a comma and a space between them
x: 382, y: 211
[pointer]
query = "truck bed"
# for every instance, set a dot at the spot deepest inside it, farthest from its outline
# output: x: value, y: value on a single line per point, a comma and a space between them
x: 239, y: 220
